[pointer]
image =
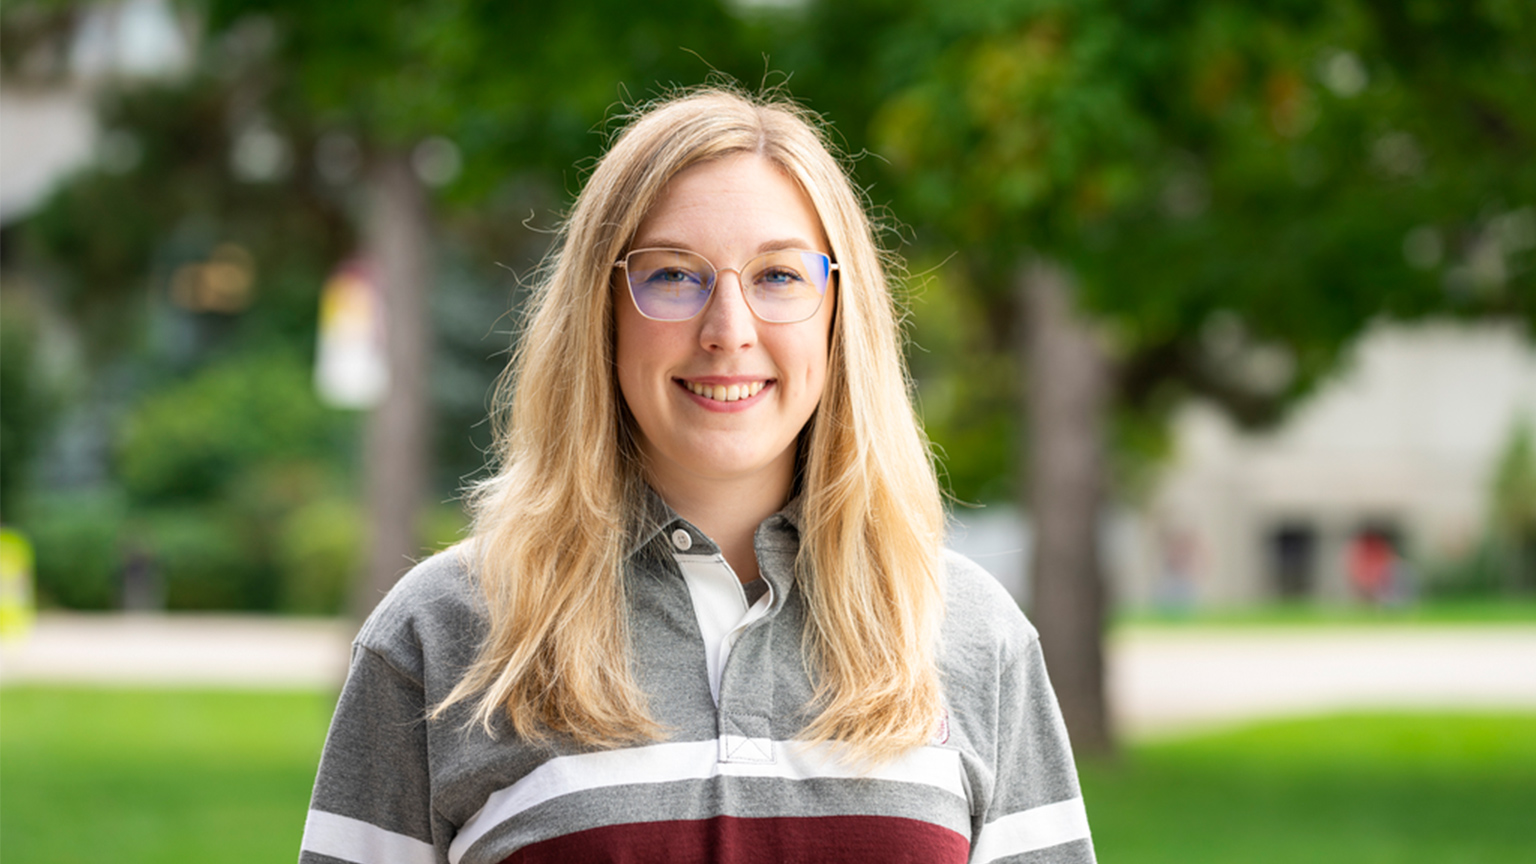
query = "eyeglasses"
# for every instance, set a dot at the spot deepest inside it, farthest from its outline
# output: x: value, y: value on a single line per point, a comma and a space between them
x: 780, y: 287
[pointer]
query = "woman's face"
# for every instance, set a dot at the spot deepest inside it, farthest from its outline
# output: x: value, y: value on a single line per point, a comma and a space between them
x: 670, y: 372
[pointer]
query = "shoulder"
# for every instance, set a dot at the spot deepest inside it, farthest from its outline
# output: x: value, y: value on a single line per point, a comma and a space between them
x: 991, y: 665
x: 433, y: 617
x: 981, y: 620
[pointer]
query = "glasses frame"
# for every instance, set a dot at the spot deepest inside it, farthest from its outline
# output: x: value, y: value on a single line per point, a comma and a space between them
x: 623, y: 264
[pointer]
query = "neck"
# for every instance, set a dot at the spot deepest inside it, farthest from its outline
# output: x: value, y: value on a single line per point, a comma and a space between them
x: 729, y: 511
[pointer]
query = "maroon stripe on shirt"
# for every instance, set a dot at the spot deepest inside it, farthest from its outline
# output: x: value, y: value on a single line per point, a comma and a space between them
x: 734, y: 840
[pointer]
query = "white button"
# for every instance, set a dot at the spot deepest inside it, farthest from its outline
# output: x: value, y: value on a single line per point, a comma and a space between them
x: 681, y: 540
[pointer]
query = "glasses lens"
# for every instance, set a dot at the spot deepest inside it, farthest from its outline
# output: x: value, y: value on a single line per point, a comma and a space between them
x: 786, y: 286
x: 669, y: 284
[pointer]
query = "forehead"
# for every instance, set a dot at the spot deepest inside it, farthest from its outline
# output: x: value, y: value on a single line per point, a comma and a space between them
x: 734, y: 203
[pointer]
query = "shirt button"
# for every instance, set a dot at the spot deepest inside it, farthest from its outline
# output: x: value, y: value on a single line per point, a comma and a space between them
x: 682, y: 540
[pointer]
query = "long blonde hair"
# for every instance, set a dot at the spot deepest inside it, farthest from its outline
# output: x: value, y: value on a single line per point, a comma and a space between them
x: 569, y: 477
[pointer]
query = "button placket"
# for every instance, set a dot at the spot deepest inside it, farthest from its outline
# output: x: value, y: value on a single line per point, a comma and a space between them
x: 746, y: 696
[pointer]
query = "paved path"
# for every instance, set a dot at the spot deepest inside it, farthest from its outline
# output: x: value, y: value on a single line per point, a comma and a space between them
x: 1161, y: 680
x: 218, y: 650
x: 1173, y: 680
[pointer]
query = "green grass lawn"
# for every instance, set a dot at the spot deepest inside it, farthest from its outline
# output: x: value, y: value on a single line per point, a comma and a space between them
x: 206, y: 776
x: 1364, y: 789
x: 156, y: 776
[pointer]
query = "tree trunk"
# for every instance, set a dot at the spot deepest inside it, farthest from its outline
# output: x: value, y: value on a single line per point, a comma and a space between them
x: 1067, y: 380
x: 397, y: 247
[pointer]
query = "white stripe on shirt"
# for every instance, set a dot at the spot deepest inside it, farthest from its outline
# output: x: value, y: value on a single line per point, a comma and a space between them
x: 695, y: 760
x: 1029, y: 830
x: 361, y: 842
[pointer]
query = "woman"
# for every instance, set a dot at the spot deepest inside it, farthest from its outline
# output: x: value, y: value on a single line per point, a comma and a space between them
x: 704, y: 615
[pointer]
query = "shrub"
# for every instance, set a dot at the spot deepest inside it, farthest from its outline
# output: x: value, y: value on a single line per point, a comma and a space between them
x: 319, y: 551
x: 187, y: 442
x: 207, y: 560
x: 1476, y: 574
x: 77, y: 540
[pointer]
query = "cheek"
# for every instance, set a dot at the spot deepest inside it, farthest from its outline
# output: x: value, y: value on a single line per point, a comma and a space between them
x: 634, y: 342
x: 645, y: 355
x: 813, y: 363
x: 629, y: 354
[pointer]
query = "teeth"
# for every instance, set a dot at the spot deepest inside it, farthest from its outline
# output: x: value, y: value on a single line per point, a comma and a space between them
x: 725, y: 393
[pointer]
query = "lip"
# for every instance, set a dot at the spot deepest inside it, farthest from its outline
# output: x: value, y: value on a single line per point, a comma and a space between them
x: 725, y: 381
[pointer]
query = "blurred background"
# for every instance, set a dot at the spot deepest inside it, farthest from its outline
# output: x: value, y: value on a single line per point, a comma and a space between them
x: 1220, y: 315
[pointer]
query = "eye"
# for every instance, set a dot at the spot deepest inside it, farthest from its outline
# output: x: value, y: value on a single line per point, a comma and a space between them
x: 674, y: 275
x: 778, y: 276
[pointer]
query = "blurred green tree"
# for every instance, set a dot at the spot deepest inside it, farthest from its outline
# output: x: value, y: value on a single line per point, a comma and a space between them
x: 221, y: 200
x: 25, y: 411
x: 460, y: 94
x: 159, y: 261
x: 1154, y: 199
x: 1513, y: 505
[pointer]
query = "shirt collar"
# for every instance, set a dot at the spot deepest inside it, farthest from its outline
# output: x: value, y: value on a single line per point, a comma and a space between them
x: 657, y: 517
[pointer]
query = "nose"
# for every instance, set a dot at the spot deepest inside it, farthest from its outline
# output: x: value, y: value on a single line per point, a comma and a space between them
x: 727, y: 323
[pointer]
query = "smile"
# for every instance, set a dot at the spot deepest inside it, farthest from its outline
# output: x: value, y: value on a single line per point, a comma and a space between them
x: 725, y: 392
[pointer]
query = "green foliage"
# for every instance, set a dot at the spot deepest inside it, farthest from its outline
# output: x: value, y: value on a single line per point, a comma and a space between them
x: 206, y: 399
x: 227, y: 469
x: 443, y: 525
x: 119, y: 233
x: 514, y: 86
x: 241, y: 483
x: 204, y: 556
x: 193, y: 438
x: 319, y: 548
x: 77, y: 539
x: 1239, y: 188
x: 26, y: 409
x: 1503, y: 563
x: 1514, y: 486
x: 1479, y: 572
x: 963, y: 389
x: 1513, y: 509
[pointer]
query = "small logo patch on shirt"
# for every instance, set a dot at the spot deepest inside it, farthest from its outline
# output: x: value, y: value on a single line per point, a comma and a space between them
x: 941, y: 734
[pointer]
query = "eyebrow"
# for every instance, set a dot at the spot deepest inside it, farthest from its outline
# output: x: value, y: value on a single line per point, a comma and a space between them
x: 767, y: 246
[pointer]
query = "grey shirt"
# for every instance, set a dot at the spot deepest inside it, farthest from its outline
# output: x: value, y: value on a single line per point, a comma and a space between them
x: 730, y: 783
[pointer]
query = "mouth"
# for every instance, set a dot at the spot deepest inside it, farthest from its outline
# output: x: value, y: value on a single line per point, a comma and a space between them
x: 726, y: 392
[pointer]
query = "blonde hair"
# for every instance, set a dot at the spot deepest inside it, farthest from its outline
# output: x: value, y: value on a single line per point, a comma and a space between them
x: 570, y: 480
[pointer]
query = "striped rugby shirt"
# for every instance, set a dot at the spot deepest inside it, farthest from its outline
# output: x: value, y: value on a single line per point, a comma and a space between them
x: 730, y: 784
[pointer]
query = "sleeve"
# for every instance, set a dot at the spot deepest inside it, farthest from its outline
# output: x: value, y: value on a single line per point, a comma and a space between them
x: 1035, y: 814
x: 372, y: 801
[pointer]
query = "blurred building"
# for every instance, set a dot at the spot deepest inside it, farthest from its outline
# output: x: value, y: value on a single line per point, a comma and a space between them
x: 44, y: 134
x: 48, y: 126
x: 1387, y: 467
